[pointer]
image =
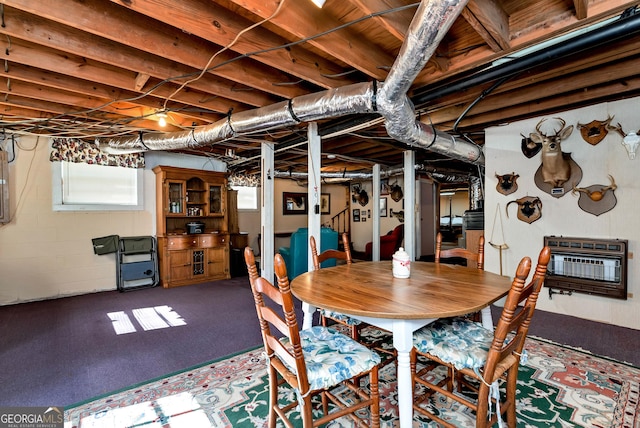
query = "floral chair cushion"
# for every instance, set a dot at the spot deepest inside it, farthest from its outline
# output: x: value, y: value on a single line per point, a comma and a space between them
x: 457, y: 341
x: 332, y: 357
x: 341, y: 317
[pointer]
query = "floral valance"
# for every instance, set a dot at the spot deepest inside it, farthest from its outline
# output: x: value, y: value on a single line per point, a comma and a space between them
x: 78, y: 151
x: 236, y: 179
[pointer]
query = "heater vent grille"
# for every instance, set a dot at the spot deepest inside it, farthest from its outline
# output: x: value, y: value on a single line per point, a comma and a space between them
x: 592, y: 266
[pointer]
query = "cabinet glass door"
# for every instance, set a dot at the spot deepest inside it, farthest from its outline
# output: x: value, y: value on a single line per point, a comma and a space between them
x: 215, y: 199
x: 176, y: 197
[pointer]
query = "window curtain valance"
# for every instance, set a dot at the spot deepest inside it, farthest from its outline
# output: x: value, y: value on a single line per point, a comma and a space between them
x: 78, y: 151
x: 244, y: 180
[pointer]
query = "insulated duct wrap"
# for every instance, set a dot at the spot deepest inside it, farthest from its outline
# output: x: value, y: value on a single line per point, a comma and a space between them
x: 430, y: 23
x: 217, y: 131
x: 356, y: 98
x: 476, y: 195
x: 350, y: 99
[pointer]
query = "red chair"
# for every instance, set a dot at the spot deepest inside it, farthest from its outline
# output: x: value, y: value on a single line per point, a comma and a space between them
x: 389, y: 244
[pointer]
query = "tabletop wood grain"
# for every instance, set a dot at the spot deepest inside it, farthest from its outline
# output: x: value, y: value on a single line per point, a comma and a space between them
x: 369, y: 289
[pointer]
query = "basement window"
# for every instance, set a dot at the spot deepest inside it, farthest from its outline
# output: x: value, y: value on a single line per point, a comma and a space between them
x: 247, y: 198
x: 90, y: 187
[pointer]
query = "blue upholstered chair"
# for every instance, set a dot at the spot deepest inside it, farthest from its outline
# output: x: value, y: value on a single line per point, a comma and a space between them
x: 296, y: 254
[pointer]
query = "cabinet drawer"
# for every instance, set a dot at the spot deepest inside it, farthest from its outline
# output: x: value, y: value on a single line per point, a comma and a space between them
x: 181, y: 242
x: 212, y: 240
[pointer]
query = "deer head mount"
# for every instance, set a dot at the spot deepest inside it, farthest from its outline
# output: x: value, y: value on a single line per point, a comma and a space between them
x: 594, y: 131
x: 556, y: 168
x: 507, y: 183
x: 396, y: 192
x: 359, y: 195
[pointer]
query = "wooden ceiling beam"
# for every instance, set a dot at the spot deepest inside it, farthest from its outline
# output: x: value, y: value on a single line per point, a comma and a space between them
x: 20, y: 52
x: 219, y: 25
x: 395, y: 23
x: 141, y: 80
x: 490, y: 21
x: 304, y: 20
x: 551, y: 92
x: 46, y: 79
x: 147, y: 35
x: 18, y: 106
x: 81, y: 105
x: 37, y: 30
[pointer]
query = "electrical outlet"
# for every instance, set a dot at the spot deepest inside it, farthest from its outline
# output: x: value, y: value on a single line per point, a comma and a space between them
x: 629, y: 295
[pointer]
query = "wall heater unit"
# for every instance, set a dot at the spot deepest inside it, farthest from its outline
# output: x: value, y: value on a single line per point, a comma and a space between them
x: 585, y: 265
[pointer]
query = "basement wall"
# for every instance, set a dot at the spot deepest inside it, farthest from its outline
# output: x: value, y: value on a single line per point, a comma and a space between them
x: 563, y: 216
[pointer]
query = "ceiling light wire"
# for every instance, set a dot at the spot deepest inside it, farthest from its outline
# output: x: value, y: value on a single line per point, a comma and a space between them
x: 227, y: 47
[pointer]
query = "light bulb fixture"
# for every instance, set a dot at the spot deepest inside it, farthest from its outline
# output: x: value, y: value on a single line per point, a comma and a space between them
x: 318, y: 3
x: 162, y: 118
x: 630, y: 142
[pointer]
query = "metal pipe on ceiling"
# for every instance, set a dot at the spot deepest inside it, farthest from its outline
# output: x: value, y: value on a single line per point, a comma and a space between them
x: 431, y: 22
x: 628, y: 24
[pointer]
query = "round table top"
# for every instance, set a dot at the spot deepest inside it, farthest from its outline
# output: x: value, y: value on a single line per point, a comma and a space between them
x: 369, y: 289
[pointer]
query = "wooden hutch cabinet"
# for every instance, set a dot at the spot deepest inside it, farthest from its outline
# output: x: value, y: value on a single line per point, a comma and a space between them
x: 192, y: 225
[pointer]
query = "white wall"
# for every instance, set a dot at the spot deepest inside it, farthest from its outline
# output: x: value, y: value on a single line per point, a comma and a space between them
x: 46, y: 254
x: 563, y: 216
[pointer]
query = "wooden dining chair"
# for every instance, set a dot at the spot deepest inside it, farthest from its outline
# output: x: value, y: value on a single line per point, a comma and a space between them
x: 313, y: 362
x: 354, y: 325
x: 459, y: 254
x: 482, y: 357
x: 472, y: 258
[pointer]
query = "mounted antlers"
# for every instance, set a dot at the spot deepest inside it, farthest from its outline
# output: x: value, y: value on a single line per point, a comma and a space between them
x: 596, y: 195
x: 630, y: 141
x: 595, y: 131
x: 556, y: 169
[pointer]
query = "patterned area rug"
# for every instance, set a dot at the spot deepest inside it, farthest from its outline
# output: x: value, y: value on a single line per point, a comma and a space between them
x: 558, y: 387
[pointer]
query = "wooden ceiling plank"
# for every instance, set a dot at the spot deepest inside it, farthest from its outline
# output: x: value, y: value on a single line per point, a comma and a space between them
x: 144, y: 34
x: 14, y: 113
x: 31, y: 55
x: 304, y: 20
x: 539, y: 91
x: 490, y: 21
x: 18, y: 105
x: 220, y: 26
x: 47, y: 79
x: 79, y: 104
x: 553, y: 105
x: 141, y: 80
x: 44, y: 32
x: 395, y: 23
x: 581, y: 7
x: 553, y: 27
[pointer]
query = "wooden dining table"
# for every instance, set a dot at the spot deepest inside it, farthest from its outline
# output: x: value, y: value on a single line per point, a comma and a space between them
x: 369, y: 292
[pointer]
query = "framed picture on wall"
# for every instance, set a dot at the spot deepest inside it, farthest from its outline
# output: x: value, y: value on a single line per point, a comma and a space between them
x: 383, y: 207
x: 356, y: 215
x: 294, y: 203
x: 325, y: 203
x: 363, y: 215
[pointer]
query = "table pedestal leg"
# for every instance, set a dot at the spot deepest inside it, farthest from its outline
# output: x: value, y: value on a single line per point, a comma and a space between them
x: 403, y: 342
x: 308, y: 311
x: 487, y: 320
